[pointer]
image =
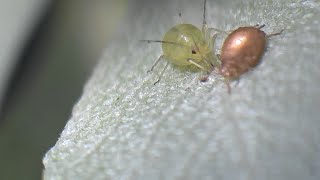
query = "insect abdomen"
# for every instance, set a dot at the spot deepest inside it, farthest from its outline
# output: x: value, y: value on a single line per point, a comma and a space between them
x: 181, y: 37
x: 241, y: 51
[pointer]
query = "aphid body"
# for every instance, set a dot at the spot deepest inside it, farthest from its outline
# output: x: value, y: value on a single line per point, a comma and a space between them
x: 185, y: 44
x: 242, y: 50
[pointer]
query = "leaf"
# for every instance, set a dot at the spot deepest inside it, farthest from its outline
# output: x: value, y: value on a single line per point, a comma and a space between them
x: 124, y: 127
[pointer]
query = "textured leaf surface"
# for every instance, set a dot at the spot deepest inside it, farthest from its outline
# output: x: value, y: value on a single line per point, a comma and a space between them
x: 124, y: 127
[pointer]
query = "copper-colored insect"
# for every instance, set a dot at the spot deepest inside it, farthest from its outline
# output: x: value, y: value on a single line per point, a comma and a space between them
x: 242, y: 50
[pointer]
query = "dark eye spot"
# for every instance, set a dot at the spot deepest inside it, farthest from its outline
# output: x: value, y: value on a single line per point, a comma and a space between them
x: 193, y: 52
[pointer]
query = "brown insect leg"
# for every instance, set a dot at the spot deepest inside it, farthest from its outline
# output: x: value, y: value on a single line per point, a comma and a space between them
x: 227, y: 82
x: 274, y: 34
x: 260, y: 27
x: 204, y: 78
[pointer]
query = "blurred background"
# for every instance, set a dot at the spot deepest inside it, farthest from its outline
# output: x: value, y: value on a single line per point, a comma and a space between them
x: 48, y: 50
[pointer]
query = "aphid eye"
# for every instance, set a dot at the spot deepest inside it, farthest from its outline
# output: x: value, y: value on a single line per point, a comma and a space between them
x: 193, y: 52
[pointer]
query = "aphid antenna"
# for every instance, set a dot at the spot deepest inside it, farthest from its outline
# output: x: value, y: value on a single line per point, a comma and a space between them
x: 159, y: 41
x: 204, y: 23
x: 180, y: 16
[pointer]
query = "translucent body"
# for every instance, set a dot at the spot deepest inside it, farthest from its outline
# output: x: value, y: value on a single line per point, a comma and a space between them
x: 188, y: 43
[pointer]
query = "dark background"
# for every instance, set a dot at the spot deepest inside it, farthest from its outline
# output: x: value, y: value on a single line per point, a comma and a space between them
x: 53, y: 66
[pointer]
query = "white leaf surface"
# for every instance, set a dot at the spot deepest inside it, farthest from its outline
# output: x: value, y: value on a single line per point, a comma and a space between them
x: 124, y: 127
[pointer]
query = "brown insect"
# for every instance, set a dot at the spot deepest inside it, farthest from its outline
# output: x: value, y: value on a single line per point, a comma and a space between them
x: 242, y: 50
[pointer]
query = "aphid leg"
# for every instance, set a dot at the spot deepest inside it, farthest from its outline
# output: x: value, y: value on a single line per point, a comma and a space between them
x: 161, y: 74
x: 212, y: 46
x: 274, y: 34
x: 218, y: 31
x: 217, y: 62
x: 213, y: 41
x: 155, y: 64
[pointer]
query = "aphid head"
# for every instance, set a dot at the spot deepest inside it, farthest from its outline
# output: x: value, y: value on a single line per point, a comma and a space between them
x: 194, y: 54
x: 200, y: 53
